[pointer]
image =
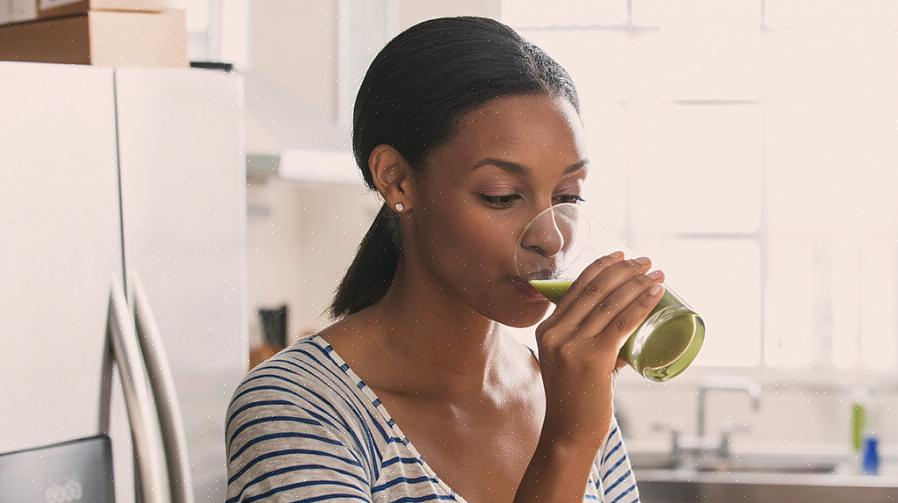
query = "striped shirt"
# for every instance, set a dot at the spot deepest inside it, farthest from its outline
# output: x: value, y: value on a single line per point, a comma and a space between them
x: 303, y: 427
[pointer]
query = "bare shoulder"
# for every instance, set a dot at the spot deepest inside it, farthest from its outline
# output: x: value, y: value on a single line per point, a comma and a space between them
x: 353, y: 338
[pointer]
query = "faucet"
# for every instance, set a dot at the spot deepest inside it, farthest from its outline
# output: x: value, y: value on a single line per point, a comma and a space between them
x: 724, y: 384
x: 701, y: 443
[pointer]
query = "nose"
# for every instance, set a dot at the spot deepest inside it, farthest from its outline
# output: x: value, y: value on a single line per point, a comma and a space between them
x: 546, y: 234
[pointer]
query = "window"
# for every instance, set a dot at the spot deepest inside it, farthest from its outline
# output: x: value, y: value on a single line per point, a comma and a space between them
x: 749, y: 149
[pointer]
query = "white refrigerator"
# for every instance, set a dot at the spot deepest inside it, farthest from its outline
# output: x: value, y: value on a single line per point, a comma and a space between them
x: 122, y: 271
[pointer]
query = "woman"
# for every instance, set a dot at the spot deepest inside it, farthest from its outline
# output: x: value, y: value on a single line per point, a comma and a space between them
x: 467, y: 131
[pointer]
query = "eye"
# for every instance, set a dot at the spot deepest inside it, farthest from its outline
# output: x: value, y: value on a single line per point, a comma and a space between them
x: 571, y: 198
x: 503, y: 201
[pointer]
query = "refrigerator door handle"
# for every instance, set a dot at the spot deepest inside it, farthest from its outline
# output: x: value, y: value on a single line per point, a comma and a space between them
x: 163, y: 386
x: 141, y: 416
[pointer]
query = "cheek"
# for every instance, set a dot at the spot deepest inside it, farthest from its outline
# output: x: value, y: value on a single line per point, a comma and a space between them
x: 493, y: 237
x: 470, y: 243
x: 488, y: 236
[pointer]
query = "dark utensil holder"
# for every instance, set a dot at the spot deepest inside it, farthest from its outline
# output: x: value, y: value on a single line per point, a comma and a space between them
x: 274, y: 325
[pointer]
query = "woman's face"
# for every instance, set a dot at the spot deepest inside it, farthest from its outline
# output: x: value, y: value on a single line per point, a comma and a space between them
x: 510, y: 159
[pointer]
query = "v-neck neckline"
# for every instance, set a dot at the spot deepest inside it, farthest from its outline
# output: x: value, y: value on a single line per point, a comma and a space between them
x: 382, y: 409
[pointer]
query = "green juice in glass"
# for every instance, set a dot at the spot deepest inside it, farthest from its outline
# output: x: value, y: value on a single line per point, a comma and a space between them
x: 663, y: 345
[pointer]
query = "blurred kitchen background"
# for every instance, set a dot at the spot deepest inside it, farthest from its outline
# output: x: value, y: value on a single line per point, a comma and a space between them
x: 748, y: 146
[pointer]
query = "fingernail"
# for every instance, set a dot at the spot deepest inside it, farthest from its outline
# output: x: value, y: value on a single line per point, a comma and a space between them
x: 643, y: 260
x: 655, y: 274
x: 617, y: 254
x: 655, y: 289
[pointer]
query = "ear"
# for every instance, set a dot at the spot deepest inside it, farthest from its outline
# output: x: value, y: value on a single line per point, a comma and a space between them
x: 392, y: 176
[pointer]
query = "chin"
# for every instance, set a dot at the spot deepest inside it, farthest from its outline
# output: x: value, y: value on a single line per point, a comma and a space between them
x: 520, y: 314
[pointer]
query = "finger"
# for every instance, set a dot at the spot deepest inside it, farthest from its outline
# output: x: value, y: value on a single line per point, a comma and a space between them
x: 615, y: 334
x: 585, y: 277
x: 618, y: 300
x: 600, y: 287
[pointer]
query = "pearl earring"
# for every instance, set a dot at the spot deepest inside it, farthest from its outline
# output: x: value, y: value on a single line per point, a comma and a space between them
x: 399, y: 207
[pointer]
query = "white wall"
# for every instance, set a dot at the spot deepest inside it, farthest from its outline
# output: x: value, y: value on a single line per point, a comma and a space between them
x: 294, y: 46
x: 301, y: 239
x: 412, y: 12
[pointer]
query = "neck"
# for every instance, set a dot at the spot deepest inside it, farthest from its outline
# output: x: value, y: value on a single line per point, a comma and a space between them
x: 441, y: 347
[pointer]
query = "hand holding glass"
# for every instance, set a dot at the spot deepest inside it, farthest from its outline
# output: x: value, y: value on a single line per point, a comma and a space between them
x: 560, y: 242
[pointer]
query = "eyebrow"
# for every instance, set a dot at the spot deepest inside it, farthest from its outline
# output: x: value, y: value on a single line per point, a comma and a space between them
x: 520, y: 169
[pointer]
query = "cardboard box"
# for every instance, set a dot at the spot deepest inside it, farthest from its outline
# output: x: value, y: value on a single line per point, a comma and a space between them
x: 100, y: 38
x: 16, y: 11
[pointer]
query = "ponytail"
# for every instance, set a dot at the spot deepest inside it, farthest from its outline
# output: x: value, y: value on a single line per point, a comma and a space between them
x: 373, y: 268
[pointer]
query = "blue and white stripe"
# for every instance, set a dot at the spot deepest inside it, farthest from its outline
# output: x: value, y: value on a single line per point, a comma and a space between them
x: 303, y: 427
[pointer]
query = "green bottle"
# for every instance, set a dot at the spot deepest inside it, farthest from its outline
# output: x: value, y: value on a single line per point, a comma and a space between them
x: 863, y: 398
x: 663, y: 345
x: 858, y: 418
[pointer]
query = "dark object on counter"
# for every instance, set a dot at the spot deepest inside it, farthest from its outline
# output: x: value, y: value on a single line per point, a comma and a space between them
x: 76, y: 470
x: 274, y: 325
x: 212, y: 65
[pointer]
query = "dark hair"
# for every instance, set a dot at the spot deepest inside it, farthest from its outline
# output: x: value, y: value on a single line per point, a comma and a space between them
x: 412, y: 95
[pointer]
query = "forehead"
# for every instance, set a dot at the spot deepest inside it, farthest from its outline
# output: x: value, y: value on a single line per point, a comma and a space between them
x: 536, y: 130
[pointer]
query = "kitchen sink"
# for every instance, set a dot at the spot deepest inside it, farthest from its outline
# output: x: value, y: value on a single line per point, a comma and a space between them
x: 682, y: 491
x: 765, y: 466
x: 771, y: 479
x: 735, y: 465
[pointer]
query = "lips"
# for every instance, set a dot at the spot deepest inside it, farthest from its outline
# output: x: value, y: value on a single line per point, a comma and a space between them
x: 525, y: 288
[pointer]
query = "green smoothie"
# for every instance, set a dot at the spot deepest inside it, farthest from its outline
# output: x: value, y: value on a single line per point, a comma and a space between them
x: 663, y: 345
x: 551, y: 289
